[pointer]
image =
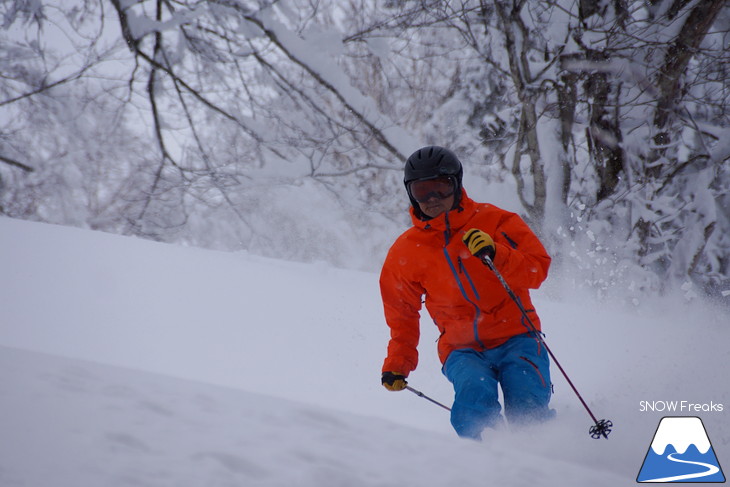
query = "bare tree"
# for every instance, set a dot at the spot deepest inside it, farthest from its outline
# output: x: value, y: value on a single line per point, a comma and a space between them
x: 593, y: 74
x: 222, y: 89
x: 664, y: 182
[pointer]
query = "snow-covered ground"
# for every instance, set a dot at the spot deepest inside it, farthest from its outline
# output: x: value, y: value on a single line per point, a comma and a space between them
x: 128, y: 362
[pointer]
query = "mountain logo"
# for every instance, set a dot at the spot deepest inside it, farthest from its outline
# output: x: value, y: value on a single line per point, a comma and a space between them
x: 680, y: 452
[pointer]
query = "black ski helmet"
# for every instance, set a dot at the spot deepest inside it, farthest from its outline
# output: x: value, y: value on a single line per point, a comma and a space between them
x: 432, y: 162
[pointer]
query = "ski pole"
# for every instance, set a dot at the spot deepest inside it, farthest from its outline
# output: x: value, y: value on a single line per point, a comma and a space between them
x: 600, y: 427
x: 421, y: 394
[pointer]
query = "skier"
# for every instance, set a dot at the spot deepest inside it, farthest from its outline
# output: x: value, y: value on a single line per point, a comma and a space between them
x: 484, y: 340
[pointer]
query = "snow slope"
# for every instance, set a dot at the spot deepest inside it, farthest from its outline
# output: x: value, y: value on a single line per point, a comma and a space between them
x: 128, y: 362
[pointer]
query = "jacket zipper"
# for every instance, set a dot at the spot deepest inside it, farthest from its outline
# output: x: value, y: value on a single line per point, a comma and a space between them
x: 462, y: 269
x: 478, y: 311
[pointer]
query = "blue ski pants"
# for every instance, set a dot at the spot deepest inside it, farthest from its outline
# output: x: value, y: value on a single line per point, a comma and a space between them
x: 520, y: 365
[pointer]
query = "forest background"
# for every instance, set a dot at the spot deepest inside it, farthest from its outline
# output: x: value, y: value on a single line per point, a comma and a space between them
x: 281, y: 127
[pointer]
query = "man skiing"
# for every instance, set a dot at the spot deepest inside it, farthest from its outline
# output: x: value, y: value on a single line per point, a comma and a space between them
x: 484, y: 338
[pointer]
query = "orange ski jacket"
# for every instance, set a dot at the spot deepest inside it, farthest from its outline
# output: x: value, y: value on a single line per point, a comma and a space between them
x: 465, y: 299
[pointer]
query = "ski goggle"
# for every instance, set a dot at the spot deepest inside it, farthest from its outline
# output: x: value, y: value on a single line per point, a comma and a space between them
x: 423, y: 190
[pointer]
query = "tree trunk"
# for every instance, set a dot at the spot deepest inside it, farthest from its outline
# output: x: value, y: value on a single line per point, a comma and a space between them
x: 676, y: 60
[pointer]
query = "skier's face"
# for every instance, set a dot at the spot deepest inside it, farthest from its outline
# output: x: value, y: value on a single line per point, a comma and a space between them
x: 434, y: 196
x: 434, y: 206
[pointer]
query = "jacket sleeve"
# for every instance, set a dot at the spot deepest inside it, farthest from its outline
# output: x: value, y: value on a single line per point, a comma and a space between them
x: 402, y: 304
x: 521, y: 258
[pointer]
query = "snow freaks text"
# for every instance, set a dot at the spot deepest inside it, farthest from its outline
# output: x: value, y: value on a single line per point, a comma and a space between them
x: 680, y: 407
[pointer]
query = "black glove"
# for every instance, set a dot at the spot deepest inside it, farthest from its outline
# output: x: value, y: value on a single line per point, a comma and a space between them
x: 393, y: 381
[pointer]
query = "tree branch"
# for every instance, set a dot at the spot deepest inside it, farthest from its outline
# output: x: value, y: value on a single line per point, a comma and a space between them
x: 15, y: 163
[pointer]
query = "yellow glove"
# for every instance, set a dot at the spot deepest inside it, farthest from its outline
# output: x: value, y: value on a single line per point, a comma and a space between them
x: 394, y: 381
x: 479, y: 243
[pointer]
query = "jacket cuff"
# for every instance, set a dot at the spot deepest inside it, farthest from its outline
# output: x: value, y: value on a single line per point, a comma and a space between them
x: 501, y: 256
